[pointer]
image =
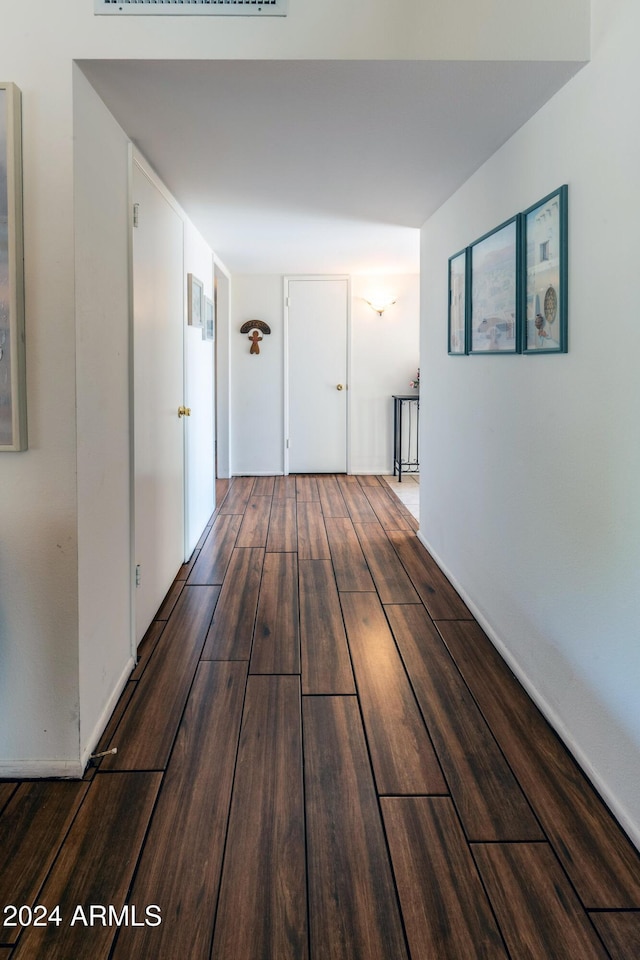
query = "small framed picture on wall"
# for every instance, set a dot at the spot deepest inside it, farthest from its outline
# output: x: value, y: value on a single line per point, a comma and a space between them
x: 208, y: 325
x: 195, y: 297
x: 13, y: 392
x: 545, y: 280
x: 458, y: 304
x: 494, y: 281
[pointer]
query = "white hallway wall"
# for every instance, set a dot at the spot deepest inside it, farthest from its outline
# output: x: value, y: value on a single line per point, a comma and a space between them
x: 384, y: 357
x: 530, y: 500
x: 40, y: 509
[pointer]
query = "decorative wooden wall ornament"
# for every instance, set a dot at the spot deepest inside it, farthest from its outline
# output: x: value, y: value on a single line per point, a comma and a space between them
x: 255, y: 326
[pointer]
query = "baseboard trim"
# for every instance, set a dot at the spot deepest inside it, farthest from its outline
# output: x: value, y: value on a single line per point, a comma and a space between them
x: 105, y: 716
x: 619, y: 812
x: 41, y: 769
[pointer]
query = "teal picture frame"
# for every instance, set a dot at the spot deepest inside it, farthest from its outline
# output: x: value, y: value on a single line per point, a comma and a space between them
x: 494, y: 291
x: 458, y: 323
x: 13, y: 377
x: 544, y: 292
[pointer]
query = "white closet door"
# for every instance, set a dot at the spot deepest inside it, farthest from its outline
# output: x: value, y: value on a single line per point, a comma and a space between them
x: 317, y: 374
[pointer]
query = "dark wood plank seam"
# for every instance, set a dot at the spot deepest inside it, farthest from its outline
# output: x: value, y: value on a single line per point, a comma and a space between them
x: 362, y: 720
x: 551, y: 847
x: 384, y: 831
x: 545, y: 837
x: 568, y: 757
x: 133, y: 877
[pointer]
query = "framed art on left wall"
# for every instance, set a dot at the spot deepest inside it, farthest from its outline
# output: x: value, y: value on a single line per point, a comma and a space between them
x: 13, y: 401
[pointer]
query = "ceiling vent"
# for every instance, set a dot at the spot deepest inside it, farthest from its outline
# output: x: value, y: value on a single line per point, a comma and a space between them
x: 216, y: 8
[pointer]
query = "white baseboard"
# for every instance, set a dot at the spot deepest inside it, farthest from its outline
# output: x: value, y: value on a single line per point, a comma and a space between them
x: 40, y: 769
x: 619, y: 812
x: 258, y: 473
x: 372, y: 473
x: 106, y: 714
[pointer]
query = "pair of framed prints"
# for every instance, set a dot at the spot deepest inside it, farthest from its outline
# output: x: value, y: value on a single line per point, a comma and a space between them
x: 200, y: 309
x: 508, y: 289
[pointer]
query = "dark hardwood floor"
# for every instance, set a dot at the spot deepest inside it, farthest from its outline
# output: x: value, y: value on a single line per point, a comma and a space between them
x: 320, y: 757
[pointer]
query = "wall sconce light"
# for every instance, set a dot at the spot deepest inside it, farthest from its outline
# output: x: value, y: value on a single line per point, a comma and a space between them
x: 380, y: 305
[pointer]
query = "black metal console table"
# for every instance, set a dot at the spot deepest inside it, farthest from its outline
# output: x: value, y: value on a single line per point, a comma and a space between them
x: 408, y: 464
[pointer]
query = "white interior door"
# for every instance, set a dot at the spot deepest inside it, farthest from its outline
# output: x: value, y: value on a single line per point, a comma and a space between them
x: 317, y: 347
x: 158, y: 393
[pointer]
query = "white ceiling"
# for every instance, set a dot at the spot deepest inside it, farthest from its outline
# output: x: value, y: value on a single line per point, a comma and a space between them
x: 319, y: 166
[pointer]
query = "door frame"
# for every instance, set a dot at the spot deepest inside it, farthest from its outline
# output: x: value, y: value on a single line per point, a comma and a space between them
x: 285, y: 301
x: 222, y: 366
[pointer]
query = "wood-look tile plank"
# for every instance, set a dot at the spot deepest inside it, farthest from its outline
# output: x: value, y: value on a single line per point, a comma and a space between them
x: 238, y: 496
x: 171, y: 599
x: 387, y: 512
x: 539, y: 914
x: 349, y: 564
x: 276, y: 639
x: 331, y: 498
x: 391, y: 579
x: 283, y: 527
x: 147, y: 730
x: 147, y: 645
x: 33, y: 826
x: 437, y: 594
x: 7, y: 789
x: 620, y: 933
x: 409, y: 517
x: 5, y: 953
x: 307, y: 489
x: 446, y: 912
x: 223, y: 485
x: 360, y: 510
x: 182, y: 856
x: 186, y: 568
x: 399, y: 505
x: 312, y: 534
x: 600, y: 860
x: 231, y: 631
x: 402, y: 755
x: 353, y: 910
x: 95, y: 866
x: 262, y: 911
x: 213, y: 561
x: 284, y: 488
x: 488, y: 798
x: 368, y: 480
x: 326, y: 665
x: 255, y: 523
x: 263, y: 486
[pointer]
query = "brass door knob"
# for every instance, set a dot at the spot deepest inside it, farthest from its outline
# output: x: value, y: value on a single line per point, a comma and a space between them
x: 184, y: 411
x: 339, y: 387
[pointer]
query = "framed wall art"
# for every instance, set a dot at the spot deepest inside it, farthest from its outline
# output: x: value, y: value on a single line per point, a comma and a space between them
x: 494, y: 291
x: 457, y: 343
x: 208, y: 325
x: 195, y: 301
x: 13, y: 408
x: 545, y: 274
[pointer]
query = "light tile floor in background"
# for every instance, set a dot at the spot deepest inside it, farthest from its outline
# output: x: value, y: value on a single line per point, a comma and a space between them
x: 408, y: 491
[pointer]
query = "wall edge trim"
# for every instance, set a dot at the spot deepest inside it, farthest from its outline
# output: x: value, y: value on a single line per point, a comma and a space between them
x: 627, y: 824
x: 105, y: 716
